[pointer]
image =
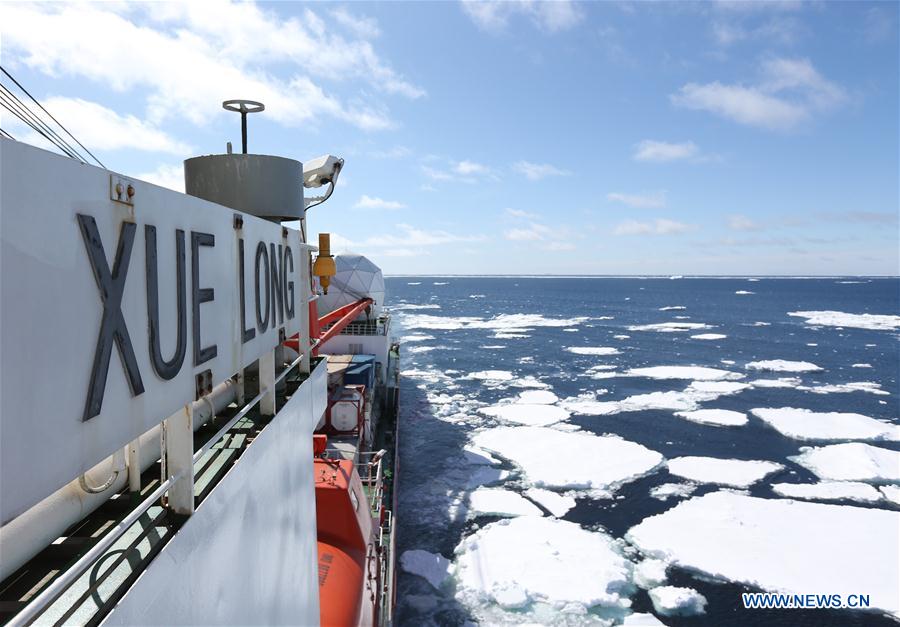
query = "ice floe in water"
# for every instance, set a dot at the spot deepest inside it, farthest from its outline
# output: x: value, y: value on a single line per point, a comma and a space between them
x: 855, y: 386
x: 526, y: 413
x: 782, y: 382
x: 744, y: 293
x: 709, y: 336
x: 670, y: 327
x: 673, y: 601
x: 500, y: 502
x: 475, y: 455
x: 804, y: 424
x: 750, y: 541
x: 525, y: 562
x: 412, y: 307
x: 738, y: 473
x: 670, y: 490
x: 490, y: 376
x: 673, y: 308
x: 782, y: 365
x: 416, y: 337
x: 851, y: 461
x: 873, y: 322
x: 555, y: 503
x: 640, y: 619
x: 829, y: 490
x: 599, y: 463
x: 650, y: 573
x: 537, y: 397
x: 431, y: 566
x: 593, y: 350
x: 891, y: 493
x: 698, y: 373
x: 861, y: 366
x: 719, y: 417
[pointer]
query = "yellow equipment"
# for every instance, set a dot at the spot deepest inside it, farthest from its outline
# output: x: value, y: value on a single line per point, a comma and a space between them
x: 324, y: 267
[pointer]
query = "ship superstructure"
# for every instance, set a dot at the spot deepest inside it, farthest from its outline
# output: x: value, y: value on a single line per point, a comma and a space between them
x: 168, y: 387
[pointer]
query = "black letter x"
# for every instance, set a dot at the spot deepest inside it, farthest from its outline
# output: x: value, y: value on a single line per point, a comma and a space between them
x: 112, y: 326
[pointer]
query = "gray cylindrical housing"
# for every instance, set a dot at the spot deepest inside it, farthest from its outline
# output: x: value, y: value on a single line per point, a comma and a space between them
x: 262, y: 185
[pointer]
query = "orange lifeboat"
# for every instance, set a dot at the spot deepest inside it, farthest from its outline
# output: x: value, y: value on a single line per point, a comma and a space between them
x: 344, y: 533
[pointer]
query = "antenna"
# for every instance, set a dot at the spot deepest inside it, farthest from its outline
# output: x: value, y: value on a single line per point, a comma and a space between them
x: 243, y: 107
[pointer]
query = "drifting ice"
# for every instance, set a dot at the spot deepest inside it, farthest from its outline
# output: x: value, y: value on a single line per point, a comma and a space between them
x: 433, y: 567
x: 590, y: 461
x: 853, y: 461
x: 672, y: 601
x: 829, y: 490
x: 750, y: 540
x: 738, y: 473
x: 500, y: 502
x: 803, y: 424
x: 719, y: 417
x: 515, y: 563
x: 782, y: 365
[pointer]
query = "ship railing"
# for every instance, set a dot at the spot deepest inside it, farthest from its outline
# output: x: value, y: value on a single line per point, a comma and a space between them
x: 370, y: 471
x: 41, y: 602
x: 387, y: 567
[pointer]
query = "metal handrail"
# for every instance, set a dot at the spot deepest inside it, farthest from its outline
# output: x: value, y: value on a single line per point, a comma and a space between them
x: 52, y: 592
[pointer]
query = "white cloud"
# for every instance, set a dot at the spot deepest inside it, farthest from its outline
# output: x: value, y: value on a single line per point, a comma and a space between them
x: 364, y: 27
x: 537, y: 171
x: 188, y: 58
x: 661, y: 226
x: 494, y: 16
x: 739, y: 222
x: 649, y: 200
x: 468, y: 168
x: 551, y: 239
x: 373, y: 202
x: 789, y: 92
x: 650, y: 150
x: 412, y: 236
x: 518, y: 213
x: 464, y: 171
x: 100, y: 128
x: 166, y: 175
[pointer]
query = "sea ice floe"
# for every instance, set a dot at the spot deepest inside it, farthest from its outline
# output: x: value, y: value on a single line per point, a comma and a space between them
x: 670, y: 327
x: 621, y: 337
x: 537, y: 397
x: 414, y: 283
x: 719, y: 417
x: 433, y: 567
x: 856, y: 386
x: 650, y: 573
x: 673, y: 601
x: 711, y: 390
x: 804, y: 424
x: 709, y: 336
x: 490, y: 375
x: 829, y: 490
x: 891, y: 493
x: 593, y: 350
x: 493, y: 347
x: 555, y: 503
x: 874, y: 322
x: 748, y: 540
x: 861, y: 366
x: 529, y: 560
x: 641, y: 619
x: 744, y: 293
x: 698, y: 373
x: 477, y: 456
x: 416, y: 337
x: 531, y: 414
x: 597, y: 463
x: 670, y: 490
x: 782, y: 365
x: 412, y: 307
x: 529, y: 382
x: 738, y: 473
x: 500, y: 335
x: 851, y: 461
x: 500, y: 502
x: 486, y: 475
x: 782, y: 382
x: 673, y: 308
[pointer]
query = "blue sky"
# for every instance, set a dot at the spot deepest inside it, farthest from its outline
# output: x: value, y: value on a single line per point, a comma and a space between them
x: 519, y: 137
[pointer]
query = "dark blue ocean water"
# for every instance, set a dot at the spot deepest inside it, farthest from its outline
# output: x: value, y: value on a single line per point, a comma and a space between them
x: 433, y: 482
